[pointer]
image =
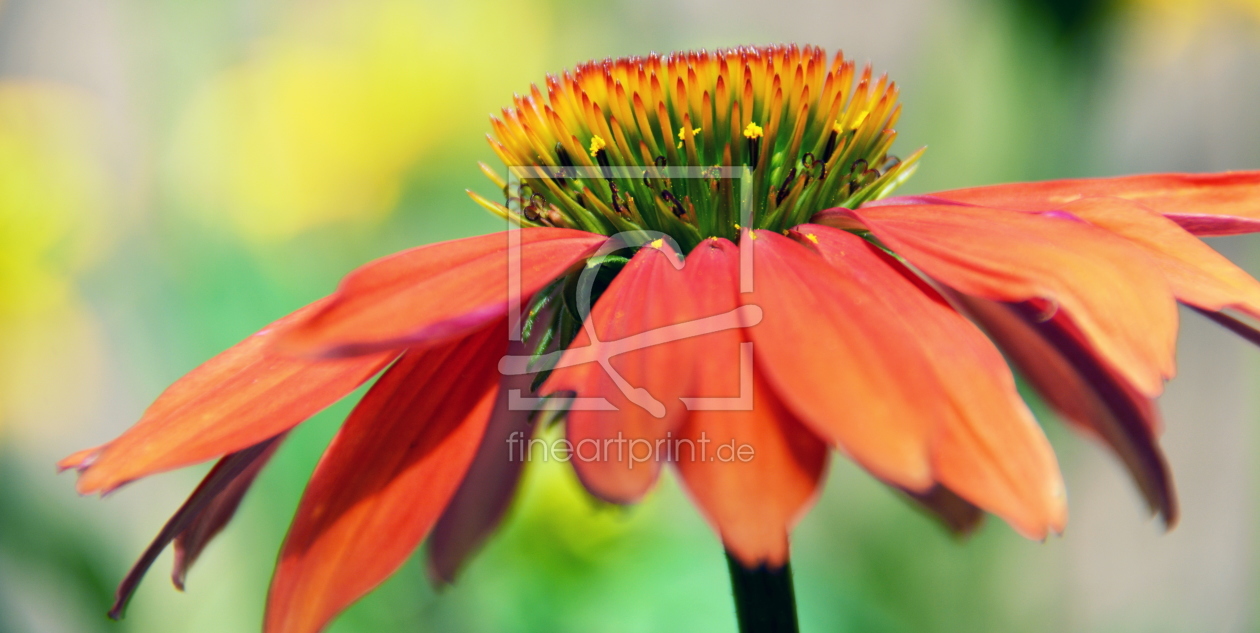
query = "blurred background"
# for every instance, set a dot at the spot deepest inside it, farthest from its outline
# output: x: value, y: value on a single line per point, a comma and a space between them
x: 175, y: 175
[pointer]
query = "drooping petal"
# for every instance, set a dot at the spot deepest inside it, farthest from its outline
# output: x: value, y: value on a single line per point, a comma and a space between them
x: 427, y: 294
x: 243, y: 396
x: 1080, y: 387
x: 1245, y: 330
x: 218, y: 513
x: 639, y: 365
x: 202, y: 508
x: 752, y: 468
x: 1204, y: 204
x: 752, y: 473
x: 1208, y: 225
x: 988, y: 447
x: 854, y: 375
x: 385, y: 479
x: 1106, y: 285
x: 1197, y: 274
x: 486, y: 493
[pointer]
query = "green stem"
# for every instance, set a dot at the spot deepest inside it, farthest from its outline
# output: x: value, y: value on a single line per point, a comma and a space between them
x: 764, y: 599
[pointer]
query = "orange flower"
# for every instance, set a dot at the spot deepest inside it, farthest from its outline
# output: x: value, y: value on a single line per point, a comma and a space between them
x: 774, y: 300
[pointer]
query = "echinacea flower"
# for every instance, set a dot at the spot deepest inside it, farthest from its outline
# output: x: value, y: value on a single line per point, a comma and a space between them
x: 762, y: 292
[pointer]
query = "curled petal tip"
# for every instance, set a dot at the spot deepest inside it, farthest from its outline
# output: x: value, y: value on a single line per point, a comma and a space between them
x: 438, y: 580
x: 79, y: 461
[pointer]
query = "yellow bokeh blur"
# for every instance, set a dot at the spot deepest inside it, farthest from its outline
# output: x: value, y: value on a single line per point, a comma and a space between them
x: 324, y: 119
x: 1172, y: 25
x: 1193, y: 12
x: 52, y: 202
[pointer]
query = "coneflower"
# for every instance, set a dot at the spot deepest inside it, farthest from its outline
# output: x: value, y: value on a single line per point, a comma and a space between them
x: 705, y: 255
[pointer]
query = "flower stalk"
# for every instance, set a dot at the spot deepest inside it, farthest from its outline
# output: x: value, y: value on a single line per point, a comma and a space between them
x: 765, y: 601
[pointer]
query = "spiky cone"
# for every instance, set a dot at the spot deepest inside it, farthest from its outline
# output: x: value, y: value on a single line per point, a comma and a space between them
x: 758, y: 260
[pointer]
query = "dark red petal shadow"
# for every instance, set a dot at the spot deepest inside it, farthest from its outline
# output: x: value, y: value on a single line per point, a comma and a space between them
x: 201, y: 516
x: 487, y: 490
x: 957, y: 514
x: 217, y: 514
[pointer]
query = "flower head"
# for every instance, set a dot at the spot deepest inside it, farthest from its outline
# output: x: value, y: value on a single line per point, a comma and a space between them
x: 785, y: 311
x: 814, y: 134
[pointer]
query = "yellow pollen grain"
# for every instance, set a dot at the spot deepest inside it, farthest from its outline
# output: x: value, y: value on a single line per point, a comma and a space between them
x: 658, y: 242
x: 752, y: 235
x: 597, y: 144
x: 737, y: 227
x: 811, y: 237
x: 753, y: 131
x: 682, y: 135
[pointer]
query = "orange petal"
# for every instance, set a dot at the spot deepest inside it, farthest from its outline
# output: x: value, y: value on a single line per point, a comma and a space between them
x: 633, y: 314
x: 1080, y: 387
x: 1106, y: 285
x: 752, y: 468
x: 857, y: 377
x: 1204, y: 204
x: 1197, y: 274
x: 428, y: 294
x: 752, y: 473
x: 384, y: 480
x: 239, y: 398
x: 79, y: 459
x: 988, y: 447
